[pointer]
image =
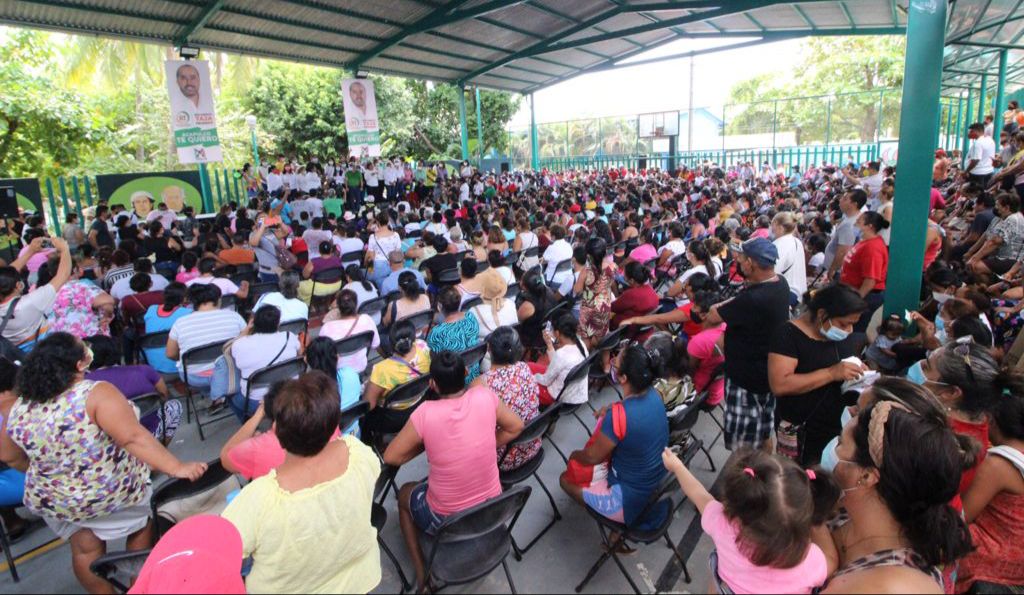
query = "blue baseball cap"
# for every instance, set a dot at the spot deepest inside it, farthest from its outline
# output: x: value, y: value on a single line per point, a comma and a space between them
x: 761, y: 251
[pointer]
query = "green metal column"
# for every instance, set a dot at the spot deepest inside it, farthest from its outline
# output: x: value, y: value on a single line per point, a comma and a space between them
x: 926, y: 29
x: 534, y: 144
x: 967, y: 124
x: 982, y: 107
x: 997, y: 116
x: 959, y: 123
x: 479, y: 131
x: 878, y: 129
x: 462, y: 122
x: 204, y: 181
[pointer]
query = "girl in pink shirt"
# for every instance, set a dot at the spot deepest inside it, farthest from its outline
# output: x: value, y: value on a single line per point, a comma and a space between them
x: 769, y: 530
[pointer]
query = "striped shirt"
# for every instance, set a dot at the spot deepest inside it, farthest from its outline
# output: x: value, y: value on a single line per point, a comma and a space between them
x: 202, y: 328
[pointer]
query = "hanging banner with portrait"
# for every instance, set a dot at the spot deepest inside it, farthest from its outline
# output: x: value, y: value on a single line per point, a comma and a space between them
x: 143, y: 192
x: 361, y: 123
x: 193, y: 119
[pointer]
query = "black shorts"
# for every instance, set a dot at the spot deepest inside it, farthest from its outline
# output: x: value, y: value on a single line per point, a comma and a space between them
x: 999, y: 266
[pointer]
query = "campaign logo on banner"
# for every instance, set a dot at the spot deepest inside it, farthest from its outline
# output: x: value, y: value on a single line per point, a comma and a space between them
x: 361, y: 123
x: 193, y: 118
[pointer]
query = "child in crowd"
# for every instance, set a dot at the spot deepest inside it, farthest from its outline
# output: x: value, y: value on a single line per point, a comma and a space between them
x: 768, y: 530
x: 880, y: 355
x: 189, y: 268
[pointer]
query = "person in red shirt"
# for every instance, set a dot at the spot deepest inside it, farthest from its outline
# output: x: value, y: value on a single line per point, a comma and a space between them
x: 639, y: 299
x: 866, y: 266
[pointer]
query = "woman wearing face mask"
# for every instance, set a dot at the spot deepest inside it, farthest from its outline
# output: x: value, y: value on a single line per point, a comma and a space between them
x: 806, y: 371
x: 899, y: 530
x: 968, y: 383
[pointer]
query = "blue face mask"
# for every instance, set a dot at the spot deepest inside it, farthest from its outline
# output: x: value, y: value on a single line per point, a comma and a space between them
x: 940, y: 330
x: 835, y: 333
x: 916, y: 374
x: 829, y: 457
x: 845, y: 417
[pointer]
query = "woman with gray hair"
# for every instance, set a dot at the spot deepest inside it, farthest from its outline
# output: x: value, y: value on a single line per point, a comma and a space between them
x: 792, y: 262
x: 286, y: 298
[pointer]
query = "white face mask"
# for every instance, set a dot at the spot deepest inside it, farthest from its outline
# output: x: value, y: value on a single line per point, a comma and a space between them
x: 941, y: 298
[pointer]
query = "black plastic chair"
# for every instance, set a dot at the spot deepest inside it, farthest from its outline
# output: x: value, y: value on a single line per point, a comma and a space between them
x: 245, y: 272
x: 682, y: 422
x: 404, y: 397
x: 661, y: 502
x: 534, y: 430
x: 205, y: 354
x: 264, y: 378
x: 354, y: 344
x: 557, y: 310
x: 324, y: 277
x: 448, y: 277
x: 597, y: 373
x: 352, y: 414
x: 178, y: 489
x: 421, y: 320
x: 373, y: 308
x: 563, y: 267
x: 354, y: 257
x: 470, y: 544
x: 298, y: 327
x: 512, y: 292
x: 228, y: 302
x: 157, y: 340
x: 149, y: 404
x: 119, y: 568
x: 474, y: 355
x: 471, y: 303
x: 258, y: 290
x: 578, y: 373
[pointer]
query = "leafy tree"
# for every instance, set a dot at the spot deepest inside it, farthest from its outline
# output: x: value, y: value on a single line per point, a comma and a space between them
x: 850, y: 68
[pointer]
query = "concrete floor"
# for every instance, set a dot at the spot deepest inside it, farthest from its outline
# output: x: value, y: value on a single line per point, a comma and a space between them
x: 557, y: 563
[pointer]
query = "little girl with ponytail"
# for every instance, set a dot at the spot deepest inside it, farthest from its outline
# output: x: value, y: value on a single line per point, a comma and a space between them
x: 766, y: 528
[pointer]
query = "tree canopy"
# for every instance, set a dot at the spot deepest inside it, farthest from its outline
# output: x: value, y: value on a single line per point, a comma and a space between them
x: 88, y: 105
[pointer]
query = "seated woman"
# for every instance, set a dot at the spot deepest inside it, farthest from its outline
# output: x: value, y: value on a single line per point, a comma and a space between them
x: 704, y: 357
x: 364, y: 290
x: 412, y: 300
x: 162, y: 318
x: 495, y: 311
x: 134, y: 381
x: 994, y: 506
x: 87, y: 459
x: 286, y: 298
x: 12, y: 481
x: 639, y: 299
x: 320, y: 497
x: 411, y: 359
x: 471, y: 285
x: 565, y: 351
x: 457, y: 431
x: 249, y: 452
x: 201, y: 554
x: 80, y: 308
x: 349, y: 324
x: 509, y: 377
x: 328, y: 261
x: 497, y: 264
x: 322, y: 355
x: 537, y: 300
x: 899, y: 528
x: 457, y: 331
x: 636, y: 468
x: 261, y: 345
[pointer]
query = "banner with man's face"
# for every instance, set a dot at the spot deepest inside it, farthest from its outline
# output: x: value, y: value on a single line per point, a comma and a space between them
x: 361, y: 123
x: 193, y: 118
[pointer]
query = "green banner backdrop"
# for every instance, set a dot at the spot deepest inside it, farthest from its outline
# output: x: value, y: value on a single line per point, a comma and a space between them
x: 143, y: 191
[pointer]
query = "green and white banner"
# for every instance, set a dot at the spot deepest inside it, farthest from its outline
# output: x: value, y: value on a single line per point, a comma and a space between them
x: 361, y: 123
x: 193, y: 118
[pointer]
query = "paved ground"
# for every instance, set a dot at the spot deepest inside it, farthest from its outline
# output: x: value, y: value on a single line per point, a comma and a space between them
x: 555, y: 565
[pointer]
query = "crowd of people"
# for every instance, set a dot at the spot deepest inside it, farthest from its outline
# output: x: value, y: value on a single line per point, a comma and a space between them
x: 870, y: 452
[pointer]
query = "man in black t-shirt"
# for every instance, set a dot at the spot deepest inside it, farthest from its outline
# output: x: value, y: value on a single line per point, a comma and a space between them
x: 99, y: 232
x: 442, y: 261
x: 751, y: 319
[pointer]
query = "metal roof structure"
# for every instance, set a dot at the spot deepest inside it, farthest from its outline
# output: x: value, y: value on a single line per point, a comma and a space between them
x: 514, y: 45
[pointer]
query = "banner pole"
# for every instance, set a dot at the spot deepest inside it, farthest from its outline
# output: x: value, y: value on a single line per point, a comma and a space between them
x: 204, y: 182
x: 53, y: 205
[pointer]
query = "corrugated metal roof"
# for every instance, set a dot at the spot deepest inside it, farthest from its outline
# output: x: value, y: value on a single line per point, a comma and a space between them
x: 514, y: 45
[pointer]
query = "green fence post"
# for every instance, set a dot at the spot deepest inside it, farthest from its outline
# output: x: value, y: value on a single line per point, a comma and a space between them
x: 88, y: 192
x: 926, y: 30
x: 204, y: 182
x: 63, y: 194
x: 238, y: 190
x: 959, y: 121
x: 220, y: 194
x: 53, y: 205
x: 982, y: 105
x: 78, y: 197
x: 463, y: 128
x: 479, y: 131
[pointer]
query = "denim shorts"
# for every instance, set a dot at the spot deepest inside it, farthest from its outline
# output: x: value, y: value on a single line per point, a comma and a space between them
x: 427, y: 520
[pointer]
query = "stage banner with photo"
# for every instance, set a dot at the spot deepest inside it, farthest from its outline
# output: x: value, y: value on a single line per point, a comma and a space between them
x: 27, y: 191
x: 193, y: 118
x: 142, y: 192
x: 361, y: 123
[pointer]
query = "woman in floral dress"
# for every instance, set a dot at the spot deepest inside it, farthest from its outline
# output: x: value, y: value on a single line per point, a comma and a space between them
x: 510, y: 379
x: 81, y: 308
x: 594, y: 286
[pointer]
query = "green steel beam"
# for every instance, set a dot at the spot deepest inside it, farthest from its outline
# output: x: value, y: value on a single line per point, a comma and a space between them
x: 696, y: 4
x: 846, y: 13
x: 255, y: 14
x: 803, y: 16
x: 918, y: 128
x: 479, y: 131
x: 999, y: 25
x: 997, y: 115
x: 757, y: 24
x: 434, y: 20
x: 199, y: 21
x: 982, y: 104
x: 463, y: 128
x: 895, y: 13
x: 989, y: 44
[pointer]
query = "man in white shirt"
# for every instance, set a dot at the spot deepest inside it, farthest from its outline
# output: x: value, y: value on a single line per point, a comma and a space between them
x: 391, y: 173
x: 226, y: 286
x: 871, y: 183
x: 314, y: 206
x: 122, y: 287
x: 311, y: 181
x: 979, y: 158
x: 464, y: 191
x: 559, y: 251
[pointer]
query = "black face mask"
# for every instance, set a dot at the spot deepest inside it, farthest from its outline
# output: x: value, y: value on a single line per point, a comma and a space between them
x: 696, y: 318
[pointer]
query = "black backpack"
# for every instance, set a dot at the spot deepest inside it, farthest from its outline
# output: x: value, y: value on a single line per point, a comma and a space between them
x: 7, y: 349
